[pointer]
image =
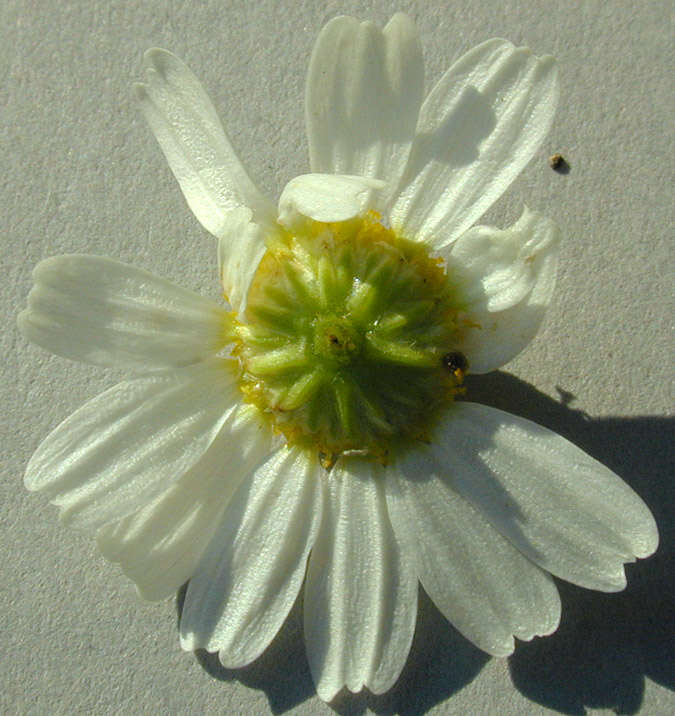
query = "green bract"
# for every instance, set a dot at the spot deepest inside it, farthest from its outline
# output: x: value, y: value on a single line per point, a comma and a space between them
x: 344, y: 338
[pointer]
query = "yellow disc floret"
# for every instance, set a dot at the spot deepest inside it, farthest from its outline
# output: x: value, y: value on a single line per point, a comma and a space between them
x: 345, y: 338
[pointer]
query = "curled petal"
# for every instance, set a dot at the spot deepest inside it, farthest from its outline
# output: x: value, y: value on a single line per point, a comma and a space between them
x: 240, y: 249
x: 506, y: 277
x: 326, y: 198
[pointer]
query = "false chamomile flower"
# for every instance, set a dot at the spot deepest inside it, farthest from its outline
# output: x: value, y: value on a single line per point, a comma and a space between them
x: 311, y: 433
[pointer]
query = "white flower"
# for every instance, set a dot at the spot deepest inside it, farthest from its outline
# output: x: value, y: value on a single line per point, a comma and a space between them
x: 328, y: 444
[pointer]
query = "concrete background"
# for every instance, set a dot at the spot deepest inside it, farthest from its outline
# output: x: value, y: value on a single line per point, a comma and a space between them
x: 81, y: 173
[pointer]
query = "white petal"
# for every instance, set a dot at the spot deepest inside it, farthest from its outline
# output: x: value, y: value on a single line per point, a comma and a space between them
x: 496, y: 268
x: 159, y: 546
x: 478, y: 128
x: 240, y: 249
x: 361, y: 591
x: 253, y: 568
x: 326, y: 198
x: 484, y: 586
x: 563, y: 509
x: 506, y: 279
x: 100, y: 311
x: 131, y: 443
x: 364, y: 91
x: 192, y: 138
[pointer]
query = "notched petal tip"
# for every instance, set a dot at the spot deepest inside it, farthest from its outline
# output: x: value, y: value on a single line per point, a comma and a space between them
x: 189, y: 641
x: 97, y: 310
x: 160, y: 59
x: 45, y: 266
x: 163, y: 64
x: 613, y: 584
x: 548, y: 65
x: 363, y: 92
x: 507, y: 278
x: 547, y: 71
x: 23, y: 323
x: 328, y: 692
x: 400, y: 19
x: 502, y: 45
x: 504, y: 649
x: 339, y: 20
x: 646, y: 542
x: 31, y: 480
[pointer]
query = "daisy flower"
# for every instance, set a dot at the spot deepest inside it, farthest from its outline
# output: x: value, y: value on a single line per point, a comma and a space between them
x: 308, y: 431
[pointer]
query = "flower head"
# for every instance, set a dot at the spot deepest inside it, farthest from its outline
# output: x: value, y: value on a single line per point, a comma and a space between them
x: 310, y: 429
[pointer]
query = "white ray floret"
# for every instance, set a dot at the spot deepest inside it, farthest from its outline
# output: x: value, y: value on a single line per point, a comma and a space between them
x: 251, y: 573
x: 313, y: 430
x: 360, y: 604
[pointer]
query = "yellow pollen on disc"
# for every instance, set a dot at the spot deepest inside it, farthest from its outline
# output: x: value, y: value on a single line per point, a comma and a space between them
x: 349, y: 339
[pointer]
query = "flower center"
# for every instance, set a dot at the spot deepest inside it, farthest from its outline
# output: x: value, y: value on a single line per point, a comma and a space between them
x: 336, y: 340
x: 346, y: 336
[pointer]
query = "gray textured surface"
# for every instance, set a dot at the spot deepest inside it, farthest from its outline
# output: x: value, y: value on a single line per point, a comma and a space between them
x: 81, y: 173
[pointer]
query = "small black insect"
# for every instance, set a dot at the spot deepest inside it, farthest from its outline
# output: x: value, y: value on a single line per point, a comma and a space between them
x: 456, y: 363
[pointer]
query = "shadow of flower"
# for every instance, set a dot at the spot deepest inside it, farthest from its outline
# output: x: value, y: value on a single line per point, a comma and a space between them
x: 281, y: 671
x: 606, y: 643
x: 441, y: 662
